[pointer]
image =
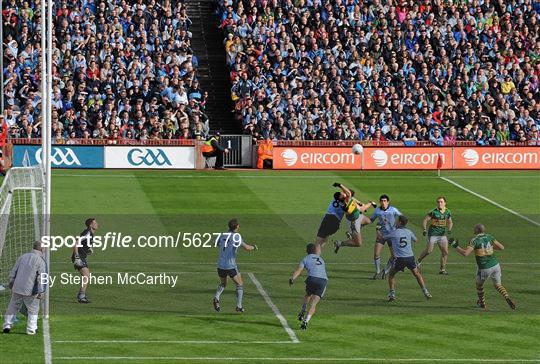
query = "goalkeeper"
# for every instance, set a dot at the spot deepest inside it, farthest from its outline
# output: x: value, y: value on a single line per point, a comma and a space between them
x: 81, y: 251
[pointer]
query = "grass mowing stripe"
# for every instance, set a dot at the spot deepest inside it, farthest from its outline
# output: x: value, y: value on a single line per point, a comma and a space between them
x: 274, y: 308
x: 188, y: 342
x: 466, y: 360
x: 491, y: 201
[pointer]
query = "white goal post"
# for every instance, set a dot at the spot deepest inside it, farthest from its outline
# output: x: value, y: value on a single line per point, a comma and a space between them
x: 22, y: 198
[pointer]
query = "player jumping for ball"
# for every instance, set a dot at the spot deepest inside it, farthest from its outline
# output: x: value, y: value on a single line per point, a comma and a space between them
x: 331, y: 220
x: 483, y: 245
x: 440, y: 226
x: 315, y: 282
x: 228, y: 244
x: 354, y: 213
x: 401, y: 240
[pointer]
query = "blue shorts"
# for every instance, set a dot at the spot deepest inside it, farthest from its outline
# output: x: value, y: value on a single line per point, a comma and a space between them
x: 315, y: 286
x: 222, y: 273
x: 400, y: 263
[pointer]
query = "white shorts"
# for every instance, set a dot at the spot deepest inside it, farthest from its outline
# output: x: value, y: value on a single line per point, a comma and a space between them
x: 356, y: 225
x: 494, y: 273
x: 438, y: 240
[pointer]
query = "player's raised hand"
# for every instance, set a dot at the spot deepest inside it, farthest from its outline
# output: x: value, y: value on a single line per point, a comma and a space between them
x: 336, y: 184
x: 373, y: 203
x: 454, y: 243
x: 291, y: 282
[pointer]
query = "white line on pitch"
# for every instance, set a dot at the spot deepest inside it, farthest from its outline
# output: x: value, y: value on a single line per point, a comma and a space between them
x: 274, y: 308
x: 47, y: 351
x: 491, y: 201
x: 188, y: 358
x: 188, y: 342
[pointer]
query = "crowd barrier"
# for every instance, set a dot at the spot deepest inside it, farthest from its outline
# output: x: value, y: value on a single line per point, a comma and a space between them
x: 331, y: 155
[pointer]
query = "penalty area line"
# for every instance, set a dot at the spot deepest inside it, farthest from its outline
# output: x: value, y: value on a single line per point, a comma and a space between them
x: 274, y: 308
x: 536, y: 223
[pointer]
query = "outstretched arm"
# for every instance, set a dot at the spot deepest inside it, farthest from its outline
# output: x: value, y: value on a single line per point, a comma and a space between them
x: 497, y: 245
x: 345, y: 190
x: 464, y: 251
x: 295, y: 274
x: 363, y: 207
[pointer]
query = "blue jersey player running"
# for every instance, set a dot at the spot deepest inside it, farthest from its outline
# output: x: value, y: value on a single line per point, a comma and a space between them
x: 316, y: 281
x: 401, y: 240
x: 386, y: 217
x: 228, y: 244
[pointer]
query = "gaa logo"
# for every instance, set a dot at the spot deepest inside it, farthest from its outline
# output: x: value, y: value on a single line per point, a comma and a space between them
x: 380, y: 157
x: 60, y: 157
x: 148, y: 157
x: 471, y: 157
x: 289, y: 157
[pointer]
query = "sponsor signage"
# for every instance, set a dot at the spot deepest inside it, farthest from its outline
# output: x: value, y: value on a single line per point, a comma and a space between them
x: 497, y: 158
x: 315, y: 158
x: 141, y: 157
x: 413, y: 158
x: 407, y: 158
x: 62, y: 156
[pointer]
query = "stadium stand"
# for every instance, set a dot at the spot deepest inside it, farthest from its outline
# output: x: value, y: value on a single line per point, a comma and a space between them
x: 122, y: 69
x: 407, y: 71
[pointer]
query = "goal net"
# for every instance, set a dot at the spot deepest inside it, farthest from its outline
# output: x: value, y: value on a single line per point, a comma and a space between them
x: 21, y: 220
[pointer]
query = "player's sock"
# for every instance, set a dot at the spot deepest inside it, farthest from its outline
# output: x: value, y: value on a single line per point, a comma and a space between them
x: 388, y: 265
x: 219, y: 291
x: 308, y: 317
x: 239, y: 295
x: 502, y: 291
x: 481, y: 297
x: 377, y: 262
x: 304, y: 306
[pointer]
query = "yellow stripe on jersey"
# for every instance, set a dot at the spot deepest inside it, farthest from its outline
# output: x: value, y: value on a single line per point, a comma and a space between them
x: 484, y: 252
x: 351, y: 207
x: 435, y: 222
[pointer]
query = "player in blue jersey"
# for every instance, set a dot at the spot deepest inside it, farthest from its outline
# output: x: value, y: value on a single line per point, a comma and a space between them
x: 316, y: 282
x: 386, y: 217
x: 401, y: 240
x: 331, y: 220
x: 228, y: 244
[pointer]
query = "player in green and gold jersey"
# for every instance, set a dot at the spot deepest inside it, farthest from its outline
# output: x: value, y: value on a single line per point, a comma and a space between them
x: 354, y: 213
x: 483, y: 245
x: 440, y: 226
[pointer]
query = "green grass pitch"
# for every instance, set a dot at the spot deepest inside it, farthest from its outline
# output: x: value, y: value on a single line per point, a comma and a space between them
x: 280, y: 212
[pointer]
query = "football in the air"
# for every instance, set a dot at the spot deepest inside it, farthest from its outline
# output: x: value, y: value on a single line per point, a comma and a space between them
x: 357, y: 149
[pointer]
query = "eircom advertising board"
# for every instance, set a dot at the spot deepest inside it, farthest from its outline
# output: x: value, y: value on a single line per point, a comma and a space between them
x: 142, y: 157
x: 62, y: 156
x: 385, y: 158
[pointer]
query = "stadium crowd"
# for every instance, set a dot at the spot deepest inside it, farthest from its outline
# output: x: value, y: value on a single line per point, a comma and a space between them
x: 439, y: 71
x: 121, y: 69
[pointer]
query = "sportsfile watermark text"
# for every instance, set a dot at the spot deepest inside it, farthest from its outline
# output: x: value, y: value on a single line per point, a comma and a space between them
x: 121, y: 240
